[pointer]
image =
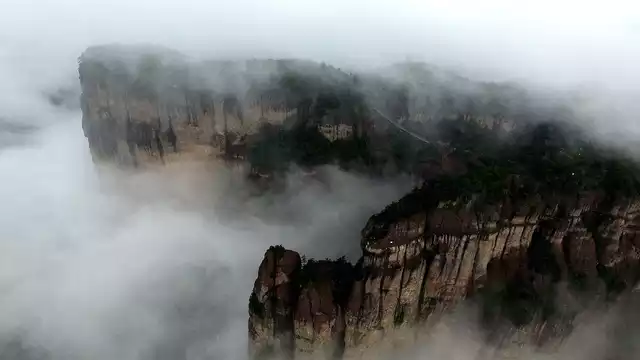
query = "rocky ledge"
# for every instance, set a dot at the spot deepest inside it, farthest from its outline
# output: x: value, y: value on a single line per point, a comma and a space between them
x: 147, y: 105
x: 421, y: 256
x: 540, y: 224
x: 517, y: 213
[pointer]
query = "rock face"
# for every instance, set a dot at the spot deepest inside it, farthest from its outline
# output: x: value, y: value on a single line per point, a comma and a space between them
x: 422, y: 256
x: 515, y: 215
x: 277, y: 283
x: 145, y: 108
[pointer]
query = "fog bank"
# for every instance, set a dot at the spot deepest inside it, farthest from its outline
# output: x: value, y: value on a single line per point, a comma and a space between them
x: 109, y: 265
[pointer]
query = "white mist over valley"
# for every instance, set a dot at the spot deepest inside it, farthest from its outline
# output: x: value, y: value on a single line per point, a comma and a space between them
x: 102, y: 263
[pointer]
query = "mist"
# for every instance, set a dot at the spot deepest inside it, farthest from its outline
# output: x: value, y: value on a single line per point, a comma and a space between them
x: 99, y: 263
x: 108, y: 264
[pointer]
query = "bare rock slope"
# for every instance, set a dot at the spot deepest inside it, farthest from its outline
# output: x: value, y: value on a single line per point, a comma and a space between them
x: 421, y: 257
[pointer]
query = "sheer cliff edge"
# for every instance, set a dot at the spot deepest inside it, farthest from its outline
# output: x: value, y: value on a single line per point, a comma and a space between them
x: 148, y: 106
x: 516, y: 210
x: 527, y: 264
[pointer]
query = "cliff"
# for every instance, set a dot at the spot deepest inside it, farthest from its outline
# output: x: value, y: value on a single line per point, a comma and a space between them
x: 422, y: 257
x: 520, y: 214
x: 148, y: 106
x: 144, y: 106
x: 534, y: 228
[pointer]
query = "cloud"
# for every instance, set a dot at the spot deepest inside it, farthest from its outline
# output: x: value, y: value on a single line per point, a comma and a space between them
x: 569, y: 40
x: 100, y: 264
x: 103, y: 264
x: 587, y: 46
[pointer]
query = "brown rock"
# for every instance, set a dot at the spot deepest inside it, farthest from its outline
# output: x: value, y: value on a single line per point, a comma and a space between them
x: 273, y: 303
x: 421, y: 260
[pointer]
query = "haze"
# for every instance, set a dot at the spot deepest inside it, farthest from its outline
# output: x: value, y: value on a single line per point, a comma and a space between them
x: 93, y: 265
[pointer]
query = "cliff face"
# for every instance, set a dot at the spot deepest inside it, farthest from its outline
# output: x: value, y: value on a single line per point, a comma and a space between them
x: 516, y: 214
x: 147, y: 108
x: 422, y: 257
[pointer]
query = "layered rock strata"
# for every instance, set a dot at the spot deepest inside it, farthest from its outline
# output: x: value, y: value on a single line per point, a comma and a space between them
x: 147, y: 107
x: 422, y: 256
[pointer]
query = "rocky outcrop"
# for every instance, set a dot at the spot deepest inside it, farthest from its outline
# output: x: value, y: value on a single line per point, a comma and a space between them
x: 148, y: 106
x: 517, y: 215
x: 274, y: 297
x: 423, y: 256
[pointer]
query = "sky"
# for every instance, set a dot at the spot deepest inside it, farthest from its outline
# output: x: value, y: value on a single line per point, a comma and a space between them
x: 591, y: 46
x: 549, y: 41
x: 93, y: 264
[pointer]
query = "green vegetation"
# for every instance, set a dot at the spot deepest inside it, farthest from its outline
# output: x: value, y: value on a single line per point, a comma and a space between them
x: 277, y: 250
x: 546, y: 158
x: 318, y: 101
x: 256, y: 307
x: 539, y: 157
x: 399, y: 314
x: 519, y: 302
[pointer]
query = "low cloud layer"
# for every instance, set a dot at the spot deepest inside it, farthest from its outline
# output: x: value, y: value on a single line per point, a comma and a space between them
x: 572, y: 42
x: 105, y: 264
x: 586, y: 46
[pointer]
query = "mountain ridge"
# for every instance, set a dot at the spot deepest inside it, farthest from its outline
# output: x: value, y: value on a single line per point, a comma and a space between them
x: 514, y: 207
